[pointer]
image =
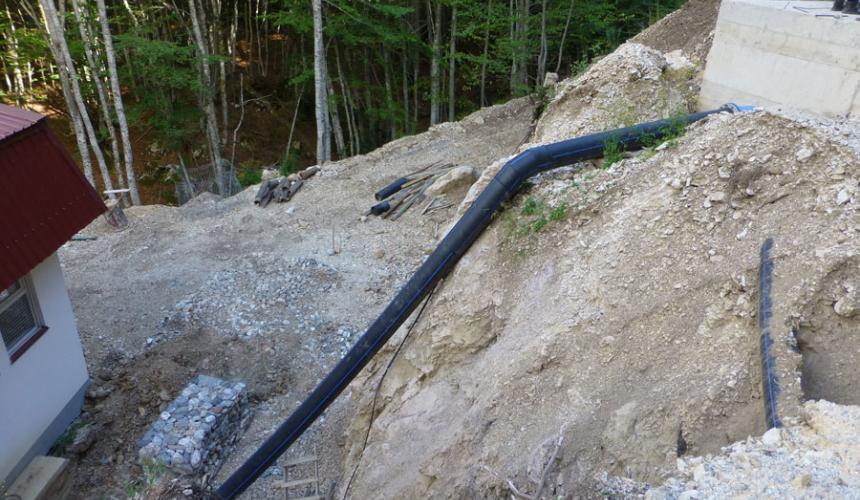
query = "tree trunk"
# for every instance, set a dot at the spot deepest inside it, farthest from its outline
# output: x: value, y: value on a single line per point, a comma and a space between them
x: 101, y: 92
x: 208, y: 105
x: 563, y: 36
x: 541, y: 63
x: 348, y: 106
x: 321, y: 106
x: 389, y: 94
x: 452, y: 65
x: 485, y: 56
x: 55, y: 30
x: 335, y: 121
x: 436, y: 28
x: 404, y: 67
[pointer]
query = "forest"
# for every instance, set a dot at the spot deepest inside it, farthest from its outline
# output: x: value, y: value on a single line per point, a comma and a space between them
x: 149, y: 94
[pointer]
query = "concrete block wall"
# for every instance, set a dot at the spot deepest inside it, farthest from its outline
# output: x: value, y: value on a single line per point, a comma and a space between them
x: 778, y: 53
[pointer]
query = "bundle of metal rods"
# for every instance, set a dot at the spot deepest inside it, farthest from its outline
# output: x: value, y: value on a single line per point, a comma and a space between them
x: 408, y: 191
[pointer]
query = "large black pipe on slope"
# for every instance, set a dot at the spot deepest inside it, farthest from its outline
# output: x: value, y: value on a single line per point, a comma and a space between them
x: 438, y: 265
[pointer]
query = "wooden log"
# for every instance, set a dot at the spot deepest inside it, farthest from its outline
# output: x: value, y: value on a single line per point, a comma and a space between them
x: 265, y: 191
x: 309, y: 172
x: 282, y: 192
x: 294, y: 188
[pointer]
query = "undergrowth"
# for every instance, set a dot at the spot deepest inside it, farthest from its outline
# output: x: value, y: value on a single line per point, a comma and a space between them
x: 533, y: 218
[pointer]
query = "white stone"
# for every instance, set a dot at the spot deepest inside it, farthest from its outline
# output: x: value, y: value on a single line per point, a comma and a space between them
x: 772, y: 437
x: 843, y: 197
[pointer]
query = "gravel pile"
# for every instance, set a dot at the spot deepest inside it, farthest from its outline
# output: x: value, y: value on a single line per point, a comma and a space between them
x: 815, y: 457
x: 264, y: 294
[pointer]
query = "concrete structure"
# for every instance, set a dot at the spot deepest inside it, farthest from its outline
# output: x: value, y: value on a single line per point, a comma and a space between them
x: 794, y: 55
x: 44, y: 200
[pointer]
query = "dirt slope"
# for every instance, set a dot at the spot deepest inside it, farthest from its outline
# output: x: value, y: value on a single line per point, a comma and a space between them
x: 626, y: 325
x: 272, y: 297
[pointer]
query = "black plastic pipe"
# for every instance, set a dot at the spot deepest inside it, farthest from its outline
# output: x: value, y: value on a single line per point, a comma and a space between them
x: 769, y: 380
x: 458, y: 240
x: 390, y: 189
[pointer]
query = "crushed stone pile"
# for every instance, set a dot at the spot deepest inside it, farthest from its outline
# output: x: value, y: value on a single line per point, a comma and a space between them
x: 818, y: 456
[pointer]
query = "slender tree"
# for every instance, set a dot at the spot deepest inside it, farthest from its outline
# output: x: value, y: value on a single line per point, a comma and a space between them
x: 119, y: 107
x: 452, y: 66
x: 320, y: 79
x: 208, y: 104
x: 55, y: 30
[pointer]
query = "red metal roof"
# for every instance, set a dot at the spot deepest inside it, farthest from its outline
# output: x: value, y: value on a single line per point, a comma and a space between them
x: 44, y: 197
x: 14, y: 120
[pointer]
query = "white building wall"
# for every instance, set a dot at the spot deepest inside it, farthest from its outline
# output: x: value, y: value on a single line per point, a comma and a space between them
x: 778, y: 53
x: 41, y: 391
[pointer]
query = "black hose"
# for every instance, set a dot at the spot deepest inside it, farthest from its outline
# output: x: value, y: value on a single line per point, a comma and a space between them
x: 390, y: 189
x: 769, y: 380
x: 380, y: 208
x: 435, y: 267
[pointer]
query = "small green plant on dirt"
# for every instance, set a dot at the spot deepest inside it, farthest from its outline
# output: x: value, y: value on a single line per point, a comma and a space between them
x: 58, y: 449
x: 558, y: 212
x: 146, y: 485
x: 534, y: 216
x: 612, y: 149
x: 532, y: 206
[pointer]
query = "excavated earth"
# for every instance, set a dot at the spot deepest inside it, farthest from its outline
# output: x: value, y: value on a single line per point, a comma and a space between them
x: 598, y: 339
x: 272, y: 297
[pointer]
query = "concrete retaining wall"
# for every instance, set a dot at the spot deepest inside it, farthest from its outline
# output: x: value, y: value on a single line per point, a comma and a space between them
x: 778, y: 53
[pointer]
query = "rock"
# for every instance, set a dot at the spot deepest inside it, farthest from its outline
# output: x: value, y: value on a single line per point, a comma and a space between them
x: 100, y: 392
x: 802, y: 481
x: 772, y: 437
x: 676, y: 184
x: 843, y: 197
x: 804, y: 154
x: 678, y: 61
x: 550, y: 79
x: 724, y: 173
x: 717, y: 197
x: 378, y: 253
x: 269, y: 174
x: 699, y: 473
x: 195, y: 458
x: 456, y: 178
x: 847, y: 306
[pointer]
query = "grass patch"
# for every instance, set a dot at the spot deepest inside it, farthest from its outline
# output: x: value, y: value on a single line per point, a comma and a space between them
x: 558, y: 212
x: 612, y: 150
x: 532, y: 206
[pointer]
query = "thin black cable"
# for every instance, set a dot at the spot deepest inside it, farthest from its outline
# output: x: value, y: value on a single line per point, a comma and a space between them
x: 379, y: 386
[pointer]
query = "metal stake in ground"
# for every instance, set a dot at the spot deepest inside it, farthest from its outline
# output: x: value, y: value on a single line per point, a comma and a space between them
x: 769, y: 382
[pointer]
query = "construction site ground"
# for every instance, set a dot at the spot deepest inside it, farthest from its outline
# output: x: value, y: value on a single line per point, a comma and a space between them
x: 597, y: 339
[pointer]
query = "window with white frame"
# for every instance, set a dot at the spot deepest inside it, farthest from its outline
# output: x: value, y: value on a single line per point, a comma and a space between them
x: 19, y: 314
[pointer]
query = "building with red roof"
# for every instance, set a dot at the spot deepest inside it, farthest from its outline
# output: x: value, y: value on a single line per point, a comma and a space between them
x: 44, y: 201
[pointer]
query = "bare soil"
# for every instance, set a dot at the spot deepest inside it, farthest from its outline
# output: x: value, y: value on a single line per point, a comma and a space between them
x: 272, y: 297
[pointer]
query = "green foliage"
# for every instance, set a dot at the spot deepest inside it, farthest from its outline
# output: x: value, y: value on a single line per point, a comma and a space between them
x: 151, y: 473
x: 532, y: 206
x: 250, y: 176
x: 289, y: 162
x: 612, y: 149
x: 166, y: 90
x: 558, y: 212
